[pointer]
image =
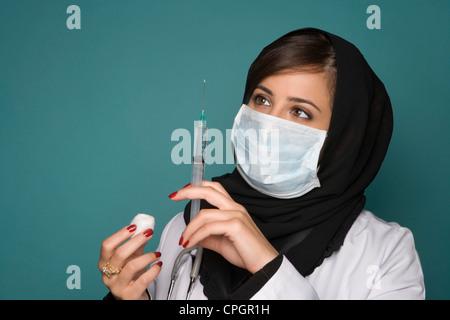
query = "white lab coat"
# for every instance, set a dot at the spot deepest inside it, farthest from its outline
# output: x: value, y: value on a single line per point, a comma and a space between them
x: 378, y: 260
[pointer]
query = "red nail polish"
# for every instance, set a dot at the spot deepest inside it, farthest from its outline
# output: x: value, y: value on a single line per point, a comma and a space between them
x: 157, y: 254
x: 173, y: 194
x: 186, y: 244
x: 181, y: 241
x: 159, y: 263
x: 148, y: 232
x: 132, y: 228
x: 187, y: 185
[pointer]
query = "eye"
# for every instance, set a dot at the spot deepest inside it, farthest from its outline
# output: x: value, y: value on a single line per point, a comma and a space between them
x: 299, y: 113
x: 260, y: 100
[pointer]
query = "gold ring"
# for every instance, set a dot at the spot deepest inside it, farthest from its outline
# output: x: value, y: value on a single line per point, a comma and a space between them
x: 108, y: 270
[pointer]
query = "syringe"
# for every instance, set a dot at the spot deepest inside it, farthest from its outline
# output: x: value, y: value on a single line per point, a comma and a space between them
x: 198, y: 166
x: 197, y: 176
x: 198, y: 173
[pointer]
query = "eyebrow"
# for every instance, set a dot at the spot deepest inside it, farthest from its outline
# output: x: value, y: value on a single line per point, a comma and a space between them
x: 290, y: 99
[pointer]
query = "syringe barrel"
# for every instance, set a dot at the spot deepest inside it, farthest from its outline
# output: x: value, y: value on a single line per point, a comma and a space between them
x: 196, y: 180
x: 198, y: 166
x: 199, y: 140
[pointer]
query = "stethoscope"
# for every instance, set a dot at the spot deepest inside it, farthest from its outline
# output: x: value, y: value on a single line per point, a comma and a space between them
x: 194, y: 271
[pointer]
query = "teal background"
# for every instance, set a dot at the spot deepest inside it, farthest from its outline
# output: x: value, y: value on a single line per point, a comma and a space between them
x: 86, y: 118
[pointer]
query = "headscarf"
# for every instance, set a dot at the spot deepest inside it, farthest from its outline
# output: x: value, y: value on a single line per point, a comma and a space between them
x: 358, y: 137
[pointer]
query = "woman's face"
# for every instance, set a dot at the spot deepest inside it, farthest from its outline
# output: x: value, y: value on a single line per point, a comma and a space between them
x: 295, y: 96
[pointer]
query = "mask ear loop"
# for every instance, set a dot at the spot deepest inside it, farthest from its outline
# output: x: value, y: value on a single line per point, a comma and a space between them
x: 321, y: 152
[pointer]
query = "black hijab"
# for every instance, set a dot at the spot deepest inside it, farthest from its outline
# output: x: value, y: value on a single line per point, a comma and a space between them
x: 358, y: 138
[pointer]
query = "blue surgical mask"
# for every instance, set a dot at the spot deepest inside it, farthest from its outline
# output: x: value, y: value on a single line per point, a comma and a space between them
x: 277, y: 157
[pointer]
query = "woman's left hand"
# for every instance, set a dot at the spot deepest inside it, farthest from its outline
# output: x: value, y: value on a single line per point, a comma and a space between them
x: 229, y: 230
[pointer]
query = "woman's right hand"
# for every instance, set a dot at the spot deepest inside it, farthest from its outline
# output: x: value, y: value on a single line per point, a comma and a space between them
x: 132, y: 281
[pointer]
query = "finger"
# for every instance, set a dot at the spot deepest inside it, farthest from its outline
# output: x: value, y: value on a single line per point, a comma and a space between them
x: 236, y: 242
x: 213, y: 184
x: 216, y: 228
x: 208, y: 193
x: 110, y: 244
x: 205, y: 216
x: 138, y: 265
x: 217, y: 186
x: 124, y: 252
x: 147, y: 277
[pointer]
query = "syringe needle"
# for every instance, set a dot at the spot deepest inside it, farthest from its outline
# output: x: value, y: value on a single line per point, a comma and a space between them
x: 204, y: 87
x: 203, y: 104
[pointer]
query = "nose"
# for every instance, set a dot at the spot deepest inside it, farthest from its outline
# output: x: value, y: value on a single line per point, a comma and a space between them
x: 277, y: 111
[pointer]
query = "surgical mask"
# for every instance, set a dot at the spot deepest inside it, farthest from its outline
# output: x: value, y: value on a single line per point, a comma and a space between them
x: 275, y: 156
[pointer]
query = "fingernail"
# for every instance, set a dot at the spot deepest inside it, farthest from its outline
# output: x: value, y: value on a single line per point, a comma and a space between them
x: 157, y: 254
x: 132, y: 228
x: 173, y: 194
x: 187, y: 185
x: 159, y: 263
x: 186, y: 244
x: 181, y: 241
x: 148, y: 232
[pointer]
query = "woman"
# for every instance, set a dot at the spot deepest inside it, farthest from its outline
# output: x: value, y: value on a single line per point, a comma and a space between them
x: 292, y: 224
